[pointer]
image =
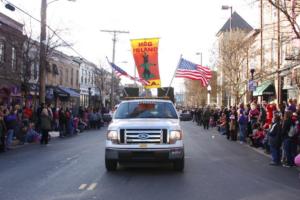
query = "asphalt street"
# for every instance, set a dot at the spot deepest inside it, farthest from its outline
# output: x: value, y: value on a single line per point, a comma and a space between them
x: 73, y: 169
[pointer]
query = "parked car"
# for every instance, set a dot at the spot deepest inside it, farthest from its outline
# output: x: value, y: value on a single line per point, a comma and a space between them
x: 185, y: 116
x: 107, y: 117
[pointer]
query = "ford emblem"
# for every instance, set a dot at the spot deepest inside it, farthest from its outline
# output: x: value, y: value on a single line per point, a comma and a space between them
x: 143, y: 136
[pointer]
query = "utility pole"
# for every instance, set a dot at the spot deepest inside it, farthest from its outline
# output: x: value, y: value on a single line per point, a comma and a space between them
x: 115, y: 32
x: 42, y: 78
x: 278, y: 53
x: 261, y: 35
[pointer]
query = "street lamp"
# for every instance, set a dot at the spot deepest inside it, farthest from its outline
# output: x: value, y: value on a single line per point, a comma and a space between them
x: 252, y: 70
x: 89, y: 97
x: 226, y: 7
x: 10, y: 7
x: 199, y: 54
x: 252, y: 83
x: 208, y: 94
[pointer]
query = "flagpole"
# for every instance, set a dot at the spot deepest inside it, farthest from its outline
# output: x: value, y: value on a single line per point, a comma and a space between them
x: 173, y: 75
x: 113, y: 72
x: 135, y: 76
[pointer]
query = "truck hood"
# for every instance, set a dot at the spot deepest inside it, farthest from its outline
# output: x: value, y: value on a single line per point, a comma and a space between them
x: 144, y: 124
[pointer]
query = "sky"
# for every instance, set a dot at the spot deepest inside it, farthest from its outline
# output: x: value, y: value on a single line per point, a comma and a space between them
x: 184, y: 27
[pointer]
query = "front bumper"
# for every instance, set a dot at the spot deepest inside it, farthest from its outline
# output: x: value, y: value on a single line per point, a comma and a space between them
x: 144, y: 154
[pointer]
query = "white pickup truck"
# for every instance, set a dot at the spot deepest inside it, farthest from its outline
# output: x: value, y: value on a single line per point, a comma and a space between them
x: 145, y: 130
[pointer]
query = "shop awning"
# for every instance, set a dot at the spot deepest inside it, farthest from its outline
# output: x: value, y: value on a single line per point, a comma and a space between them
x: 71, y: 92
x: 266, y: 88
x: 53, y: 91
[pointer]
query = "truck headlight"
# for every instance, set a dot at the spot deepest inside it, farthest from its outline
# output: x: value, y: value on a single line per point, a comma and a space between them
x: 174, y: 136
x: 112, y: 135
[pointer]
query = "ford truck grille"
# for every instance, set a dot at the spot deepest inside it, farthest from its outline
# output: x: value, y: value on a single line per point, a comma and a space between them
x: 138, y: 136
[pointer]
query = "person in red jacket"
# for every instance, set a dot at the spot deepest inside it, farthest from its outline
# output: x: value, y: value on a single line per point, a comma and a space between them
x: 27, y: 112
x: 258, y: 137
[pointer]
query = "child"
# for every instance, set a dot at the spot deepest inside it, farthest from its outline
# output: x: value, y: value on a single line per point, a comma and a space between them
x: 32, y: 135
x: 258, y: 137
x: 265, y: 140
x: 223, y: 124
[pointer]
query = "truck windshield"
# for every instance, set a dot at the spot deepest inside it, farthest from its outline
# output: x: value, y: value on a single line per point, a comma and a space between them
x: 146, y: 109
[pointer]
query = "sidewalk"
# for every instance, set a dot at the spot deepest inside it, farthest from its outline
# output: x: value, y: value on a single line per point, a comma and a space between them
x: 257, y: 150
x: 16, y: 143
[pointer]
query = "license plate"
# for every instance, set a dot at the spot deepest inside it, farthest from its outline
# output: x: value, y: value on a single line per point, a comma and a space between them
x: 143, y: 145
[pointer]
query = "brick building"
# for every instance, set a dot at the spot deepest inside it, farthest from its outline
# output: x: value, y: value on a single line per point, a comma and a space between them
x: 11, y: 70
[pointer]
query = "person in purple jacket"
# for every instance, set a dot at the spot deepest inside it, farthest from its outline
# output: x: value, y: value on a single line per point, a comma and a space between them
x: 243, y: 122
x: 11, y: 123
x: 292, y: 105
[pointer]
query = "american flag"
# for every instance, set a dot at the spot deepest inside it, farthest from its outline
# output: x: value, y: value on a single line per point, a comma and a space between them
x: 187, y: 69
x: 120, y: 72
x: 140, y: 80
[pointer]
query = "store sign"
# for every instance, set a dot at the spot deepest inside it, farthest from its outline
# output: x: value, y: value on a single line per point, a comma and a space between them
x: 252, y: 85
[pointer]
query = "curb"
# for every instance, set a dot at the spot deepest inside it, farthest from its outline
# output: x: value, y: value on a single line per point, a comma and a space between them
x: 16, y: 143
x: 261, y: 152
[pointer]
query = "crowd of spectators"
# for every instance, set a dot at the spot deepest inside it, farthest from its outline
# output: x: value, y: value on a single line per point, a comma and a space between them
x: 25, y: 125
x: 274, y: 128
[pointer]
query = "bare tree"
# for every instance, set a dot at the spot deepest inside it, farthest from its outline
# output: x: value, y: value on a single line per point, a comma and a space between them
x: 196, y: 94
x: 30, y: 59
x: 102, y: 77
x: 290, y: 9
x: 234, y: 52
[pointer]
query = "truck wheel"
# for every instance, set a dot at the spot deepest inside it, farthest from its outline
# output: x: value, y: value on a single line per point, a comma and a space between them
x: 111, y: 165
x: 178, y: 165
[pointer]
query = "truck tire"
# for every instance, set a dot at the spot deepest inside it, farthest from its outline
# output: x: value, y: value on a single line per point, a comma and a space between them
x: 111, y: 165
x: 178, y: 165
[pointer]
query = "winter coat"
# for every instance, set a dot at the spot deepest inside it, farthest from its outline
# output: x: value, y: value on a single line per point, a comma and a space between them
x: 2, y: 128
x: 46, y: 121
x: 270, y: 110
x: 243, y: 120
x: 287, y: 124
x: 11, y: 121
x: 262, y: 115
x: 254, y: 114
x: 232, y: 125
x: 206, y: 115
x: 275, y: 135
